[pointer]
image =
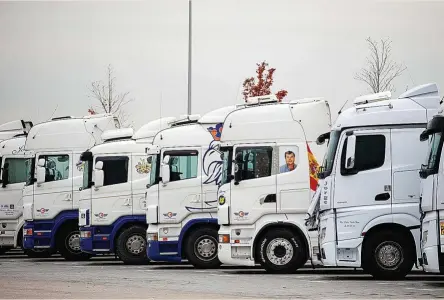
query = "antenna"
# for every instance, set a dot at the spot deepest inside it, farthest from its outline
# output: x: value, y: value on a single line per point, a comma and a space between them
x: 340, y: 110
x: 53, y: 112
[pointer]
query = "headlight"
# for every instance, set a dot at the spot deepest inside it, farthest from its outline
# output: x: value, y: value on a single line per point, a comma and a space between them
x: 85, y: 234
x: 152, y: 237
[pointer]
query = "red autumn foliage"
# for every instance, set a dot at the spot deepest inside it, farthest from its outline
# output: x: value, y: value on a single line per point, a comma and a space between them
x: 263, y: 85
x: 91, y: 111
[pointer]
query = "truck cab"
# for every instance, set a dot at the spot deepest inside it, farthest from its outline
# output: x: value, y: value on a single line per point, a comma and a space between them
x: 370, y: 189
x: 182, y: 193
x: 12, y: 180
x: 268, y: 179
x: 52, y: 191
x: 112, y: 201
x: 432, y: 201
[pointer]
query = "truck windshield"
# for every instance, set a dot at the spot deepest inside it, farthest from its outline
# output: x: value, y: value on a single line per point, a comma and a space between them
x: 30, y: 166
x: 154, y: 173
x: 227, y: 154
x: 435, y: 144
x: 327, y: 165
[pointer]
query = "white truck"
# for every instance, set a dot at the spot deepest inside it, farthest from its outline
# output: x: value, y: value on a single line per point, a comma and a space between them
x: 432, y: 201
x: 182, y: 193
x: 370, y: 188
x: 12, y: 179
x: 268, y: 179
x: 112, y: 205
x: 51, y: 194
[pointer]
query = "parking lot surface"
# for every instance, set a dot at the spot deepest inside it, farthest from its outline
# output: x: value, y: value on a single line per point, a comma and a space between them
x: 107, y: 278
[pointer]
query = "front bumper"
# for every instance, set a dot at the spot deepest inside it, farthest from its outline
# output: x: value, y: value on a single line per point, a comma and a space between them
x: 333, y: 253
x: 235, y: 251
x: 96, y: 239
x: 8, y: 233
x: 38, y: 234
x: 162, y: 250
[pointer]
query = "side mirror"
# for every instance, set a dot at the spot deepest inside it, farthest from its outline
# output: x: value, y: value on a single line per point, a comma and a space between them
x: 5, y: 176
x: 98, y: 174
x: 41, y: 173
x: 165, y: 169
x: 41, y: 162
x: 238, y: 163
x: 424, y: 136
x: 350, y: 152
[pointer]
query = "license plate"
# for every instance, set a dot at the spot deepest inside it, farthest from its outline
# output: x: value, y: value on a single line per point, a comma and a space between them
x: 442, y: 228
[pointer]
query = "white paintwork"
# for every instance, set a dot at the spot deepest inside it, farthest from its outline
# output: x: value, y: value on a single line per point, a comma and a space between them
x: 175, y: 203
x: 294, y: 124
x: 108, y: 203
x: 70, y: 136
x: 347, y: 203
x: 12, y: 142
x: 432, y: 207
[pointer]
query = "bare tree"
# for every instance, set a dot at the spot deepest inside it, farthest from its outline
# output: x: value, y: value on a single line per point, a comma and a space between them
x: 110, y: 101
x: 381, y: 70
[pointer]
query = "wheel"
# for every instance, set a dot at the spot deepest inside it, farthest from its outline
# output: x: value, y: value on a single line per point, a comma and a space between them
x: 281, y: 251
x: 69, y: 246
x: 201, y: 248
x: 388, y: 255
x: 131, y: 246
x: 37, y: 253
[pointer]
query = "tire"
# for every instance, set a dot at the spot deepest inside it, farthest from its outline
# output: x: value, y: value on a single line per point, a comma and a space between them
x: 399, y: 255
x: 34, y: 253
x: 281, y: 251
x: 131, y: 246
x: 69, y: 245
x: 201, y: 248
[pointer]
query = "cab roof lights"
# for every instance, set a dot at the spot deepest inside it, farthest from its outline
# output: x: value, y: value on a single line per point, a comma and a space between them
x: 185, y: 119
x: 262, y: 99
x: 387, y: 95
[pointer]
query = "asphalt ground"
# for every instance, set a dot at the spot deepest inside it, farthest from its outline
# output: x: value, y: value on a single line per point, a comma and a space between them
x: 107, y: 278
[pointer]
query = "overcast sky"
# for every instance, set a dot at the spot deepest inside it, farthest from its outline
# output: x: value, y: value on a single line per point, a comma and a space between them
x: 51, y: 51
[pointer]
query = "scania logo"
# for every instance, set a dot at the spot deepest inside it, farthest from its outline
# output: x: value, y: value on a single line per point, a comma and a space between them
x: 101, y: 215
x: 170, y: 215
x: 43, y: 210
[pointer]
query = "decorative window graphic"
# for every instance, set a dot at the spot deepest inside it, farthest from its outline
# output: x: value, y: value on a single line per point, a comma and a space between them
x: 216, y: 131
x: 143, y: 167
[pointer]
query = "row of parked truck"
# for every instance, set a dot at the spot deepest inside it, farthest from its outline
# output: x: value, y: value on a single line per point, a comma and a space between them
x: 240, y: 185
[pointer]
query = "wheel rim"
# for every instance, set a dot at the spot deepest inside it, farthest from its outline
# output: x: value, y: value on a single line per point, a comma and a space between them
x: 280, y: 251
x: 389, y: 255
x: 205, y: 248
x: 135, y: 244
x: 73, y: 242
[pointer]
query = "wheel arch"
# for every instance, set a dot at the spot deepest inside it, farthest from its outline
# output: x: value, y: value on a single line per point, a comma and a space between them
x: 191, y: 226
x: 295, y: 229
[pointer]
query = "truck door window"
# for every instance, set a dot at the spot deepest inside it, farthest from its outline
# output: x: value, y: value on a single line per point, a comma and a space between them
x: 115, y: 169
x: 183, y: 165
x: 16, y: 170
x: 369, y: 153
x: 57, y: 167
x: 256, y: 162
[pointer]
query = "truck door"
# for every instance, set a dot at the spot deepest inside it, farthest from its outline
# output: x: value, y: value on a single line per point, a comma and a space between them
x: 113, y: 199
x: 367, y: 185
x: 181, y: 196
x: 406, y: 163
x: 11, y: 190
x: 55, y: 194
x: 141, y: 169
x: 253, y: 192
x: 293, y: 179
